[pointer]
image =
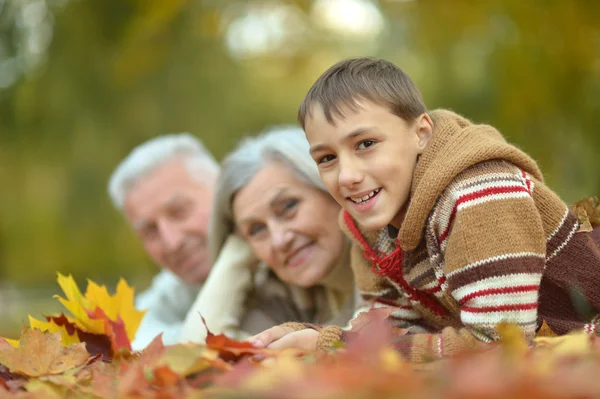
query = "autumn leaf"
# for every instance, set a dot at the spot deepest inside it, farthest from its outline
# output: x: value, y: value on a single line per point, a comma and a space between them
x: 588, y: 213
x: 98, y: 312
x: 187, y: 359
x: 41, y: 353
x: 512, y: 339
x: 229, y: 349
x: 372, y: 316
x: 545, y: 331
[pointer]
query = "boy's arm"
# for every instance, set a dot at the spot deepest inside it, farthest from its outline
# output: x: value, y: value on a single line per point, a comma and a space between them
x: 492, y: 249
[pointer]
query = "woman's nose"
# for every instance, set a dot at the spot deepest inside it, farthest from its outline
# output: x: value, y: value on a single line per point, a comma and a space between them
x: 281, y: 236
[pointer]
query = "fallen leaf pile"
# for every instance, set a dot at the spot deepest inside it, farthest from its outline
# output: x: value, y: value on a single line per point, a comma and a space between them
x: 56, y: 359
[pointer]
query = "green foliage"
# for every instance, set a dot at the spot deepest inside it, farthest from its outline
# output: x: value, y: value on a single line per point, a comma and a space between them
x: 121, y: 71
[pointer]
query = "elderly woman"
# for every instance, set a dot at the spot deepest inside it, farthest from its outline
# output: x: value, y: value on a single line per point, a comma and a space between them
x: 280, y: 255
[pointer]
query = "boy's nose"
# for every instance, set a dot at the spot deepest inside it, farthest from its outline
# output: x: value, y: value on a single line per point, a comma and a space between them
x: 350, y: 175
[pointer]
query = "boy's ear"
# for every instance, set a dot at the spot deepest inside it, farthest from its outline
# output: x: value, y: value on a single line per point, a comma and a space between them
x: 424, y: 131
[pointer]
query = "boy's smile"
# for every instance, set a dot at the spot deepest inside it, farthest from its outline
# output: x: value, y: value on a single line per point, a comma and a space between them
x: 367, y: 158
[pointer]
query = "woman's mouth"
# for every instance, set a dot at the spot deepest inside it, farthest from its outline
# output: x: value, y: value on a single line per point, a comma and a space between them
x: 300, y: 255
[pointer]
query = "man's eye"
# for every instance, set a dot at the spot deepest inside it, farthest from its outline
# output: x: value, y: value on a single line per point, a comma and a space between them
x: 327, y: 158
x: 149, y: 232
x: 179, y: 212
x: 365, y: 144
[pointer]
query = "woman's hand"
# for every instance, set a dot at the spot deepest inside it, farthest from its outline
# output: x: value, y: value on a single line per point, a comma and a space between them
x: 280, y: 337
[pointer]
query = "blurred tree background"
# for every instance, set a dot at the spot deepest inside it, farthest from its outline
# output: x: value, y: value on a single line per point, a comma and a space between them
x: 82, y: 82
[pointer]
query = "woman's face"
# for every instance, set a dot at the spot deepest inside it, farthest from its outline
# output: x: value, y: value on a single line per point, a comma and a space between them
x: 290, y: 225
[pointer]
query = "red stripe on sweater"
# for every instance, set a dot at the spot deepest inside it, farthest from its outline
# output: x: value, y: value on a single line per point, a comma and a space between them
x: 437, y: 288
x: 527, y: 181
x: 503, y: 290
x: 476, y: 195
x: 501, y: 308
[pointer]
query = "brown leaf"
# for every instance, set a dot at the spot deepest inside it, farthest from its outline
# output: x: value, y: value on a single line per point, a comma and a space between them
x: 588, y: 213
x: 373, y: 316
x: 40, y: 353
x: 153, y: 352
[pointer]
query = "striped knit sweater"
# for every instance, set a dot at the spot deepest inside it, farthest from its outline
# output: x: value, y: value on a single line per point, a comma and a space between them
x: 484, y: 241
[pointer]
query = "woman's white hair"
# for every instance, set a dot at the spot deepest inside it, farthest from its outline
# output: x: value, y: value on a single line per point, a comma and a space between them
x: 155, y: 152
x: 285, y: 144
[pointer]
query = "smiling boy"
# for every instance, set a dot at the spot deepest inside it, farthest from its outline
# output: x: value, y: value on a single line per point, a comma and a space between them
x: 451, y: 225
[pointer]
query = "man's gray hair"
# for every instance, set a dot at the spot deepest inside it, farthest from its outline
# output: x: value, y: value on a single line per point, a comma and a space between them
x: 285, y: 144
x: 153, y: 153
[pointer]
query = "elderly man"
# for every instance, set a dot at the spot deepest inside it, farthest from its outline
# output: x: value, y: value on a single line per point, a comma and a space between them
x: 164, y: 189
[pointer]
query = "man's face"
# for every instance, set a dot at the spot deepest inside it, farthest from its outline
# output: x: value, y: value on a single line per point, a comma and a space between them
x: 367, y: 159
x: 169, y: 210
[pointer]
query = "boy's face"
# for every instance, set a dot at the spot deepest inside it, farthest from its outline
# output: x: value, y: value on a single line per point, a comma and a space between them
x: 367, y: 159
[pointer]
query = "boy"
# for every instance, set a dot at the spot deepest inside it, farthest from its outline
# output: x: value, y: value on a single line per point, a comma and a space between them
x: 451, y: 225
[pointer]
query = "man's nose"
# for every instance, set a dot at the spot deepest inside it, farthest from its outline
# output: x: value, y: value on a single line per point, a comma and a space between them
x: 171, y: 235
x: 350, y: 174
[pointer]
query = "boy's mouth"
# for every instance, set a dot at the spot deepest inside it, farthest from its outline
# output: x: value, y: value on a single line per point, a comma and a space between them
x: 364, y: 198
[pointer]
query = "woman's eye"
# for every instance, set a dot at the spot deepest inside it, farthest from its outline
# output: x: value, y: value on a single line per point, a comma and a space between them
x: 365, y: 144
x: 289, y: 205
x: 327, y: 158
x: 255, y: 229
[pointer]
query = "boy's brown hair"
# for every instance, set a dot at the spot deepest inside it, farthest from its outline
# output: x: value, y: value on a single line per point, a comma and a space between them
x: 375, y: 80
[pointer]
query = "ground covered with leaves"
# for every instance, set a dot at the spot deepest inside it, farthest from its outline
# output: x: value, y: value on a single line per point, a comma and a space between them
x: 87, y: 354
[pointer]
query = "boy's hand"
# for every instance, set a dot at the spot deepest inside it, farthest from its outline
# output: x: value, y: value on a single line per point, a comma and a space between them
x: 280, y: 337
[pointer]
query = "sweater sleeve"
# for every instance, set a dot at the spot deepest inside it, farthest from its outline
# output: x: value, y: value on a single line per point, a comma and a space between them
x: 492, y: 250
x: 221, y: 302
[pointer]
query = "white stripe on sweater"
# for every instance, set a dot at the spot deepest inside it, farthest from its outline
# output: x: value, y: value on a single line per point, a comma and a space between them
x: 557, y: 250
x: 511, y: 316
x: 510, y: 280
x: 513, y: 298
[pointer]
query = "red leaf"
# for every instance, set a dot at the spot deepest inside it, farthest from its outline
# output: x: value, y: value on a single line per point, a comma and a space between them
x: 114, y: 329
x: 229, y: 349
x: 95, y: 344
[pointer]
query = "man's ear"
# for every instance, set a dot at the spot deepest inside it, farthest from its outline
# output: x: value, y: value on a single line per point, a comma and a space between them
x: 424, y: 126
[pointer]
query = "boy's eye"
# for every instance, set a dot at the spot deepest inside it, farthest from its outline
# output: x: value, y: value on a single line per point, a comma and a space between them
x: 326, y: 158
x: 365, y: 144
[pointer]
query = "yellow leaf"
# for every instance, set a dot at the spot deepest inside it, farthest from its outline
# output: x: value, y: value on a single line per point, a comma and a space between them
x: 119, y: 305
x: 512, y: 338
x: 186, y: 359
x: 52, y: 327
x: 391, y: 360
x: 571, y: 344
x: 78, y: 305
x: 125, y: 301
x: 546, y: 331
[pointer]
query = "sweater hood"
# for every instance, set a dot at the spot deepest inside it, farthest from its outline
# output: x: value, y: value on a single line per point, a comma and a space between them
x: 456, y: 145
